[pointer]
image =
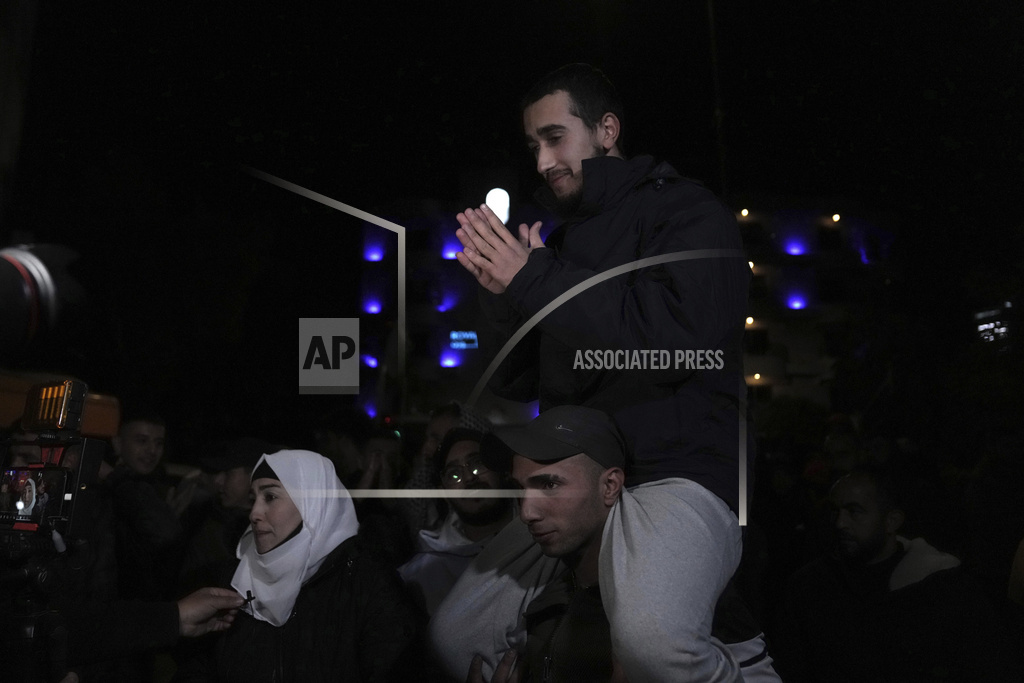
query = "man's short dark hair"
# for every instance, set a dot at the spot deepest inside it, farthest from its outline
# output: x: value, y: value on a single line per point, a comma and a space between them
x: 590, y: 92
x: 454, y: 436
x: 886, y: 483
x: 147, y: 417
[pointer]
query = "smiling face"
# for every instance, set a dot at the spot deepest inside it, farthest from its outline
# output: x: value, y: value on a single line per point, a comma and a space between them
x: 565, y: 503
x: 560, y: 141
x: 274, y: 516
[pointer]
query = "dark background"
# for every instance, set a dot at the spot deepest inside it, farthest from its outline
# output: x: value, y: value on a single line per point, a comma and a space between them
x: 135, y: 119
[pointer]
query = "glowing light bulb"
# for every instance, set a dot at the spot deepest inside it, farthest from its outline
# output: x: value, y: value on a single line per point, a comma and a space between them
x: 499, y: 202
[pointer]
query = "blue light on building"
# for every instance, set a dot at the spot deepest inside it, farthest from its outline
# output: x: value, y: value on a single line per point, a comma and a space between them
x: 451, y: 248
x: 371, y: 306
x: 448, y: 302
x: 450, y: 359
x: 369, y: 361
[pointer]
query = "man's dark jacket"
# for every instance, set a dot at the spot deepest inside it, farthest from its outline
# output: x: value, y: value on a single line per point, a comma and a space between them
x: 681, y: 421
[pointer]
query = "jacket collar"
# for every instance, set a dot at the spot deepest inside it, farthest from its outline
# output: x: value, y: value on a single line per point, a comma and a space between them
x: 920, y: 561
x: 607, y: 181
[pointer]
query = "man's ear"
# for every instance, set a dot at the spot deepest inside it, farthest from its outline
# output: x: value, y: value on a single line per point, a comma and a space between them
x: 611, y: 485
x: 608, y: 130
x: 894, y: 520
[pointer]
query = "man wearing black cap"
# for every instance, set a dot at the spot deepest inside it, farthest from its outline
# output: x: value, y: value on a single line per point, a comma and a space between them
x: 571, y: 482
x: 570, y: 462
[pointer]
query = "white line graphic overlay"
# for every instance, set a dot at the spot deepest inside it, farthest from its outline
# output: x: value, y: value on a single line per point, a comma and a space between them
x: 369, y: 218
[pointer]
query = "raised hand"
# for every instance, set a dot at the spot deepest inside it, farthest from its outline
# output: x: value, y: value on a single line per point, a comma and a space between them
x: 491, y: 253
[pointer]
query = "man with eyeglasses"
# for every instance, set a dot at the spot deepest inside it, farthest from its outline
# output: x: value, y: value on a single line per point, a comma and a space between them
x: 446, y: 551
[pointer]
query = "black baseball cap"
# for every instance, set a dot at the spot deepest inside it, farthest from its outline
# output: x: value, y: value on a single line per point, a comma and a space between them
x: 558, y: 433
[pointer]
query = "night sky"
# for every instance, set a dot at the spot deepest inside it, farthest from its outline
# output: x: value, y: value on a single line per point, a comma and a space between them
x: 137, y: 118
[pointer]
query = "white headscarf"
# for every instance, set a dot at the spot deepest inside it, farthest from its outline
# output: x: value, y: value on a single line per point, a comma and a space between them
x: 328, y: 519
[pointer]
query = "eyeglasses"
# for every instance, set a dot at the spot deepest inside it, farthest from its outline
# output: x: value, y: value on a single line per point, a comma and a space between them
x: 457, y: 473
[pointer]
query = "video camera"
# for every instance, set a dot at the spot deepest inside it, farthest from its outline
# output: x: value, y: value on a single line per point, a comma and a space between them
x: 52, y: 496
x: 47, y: 505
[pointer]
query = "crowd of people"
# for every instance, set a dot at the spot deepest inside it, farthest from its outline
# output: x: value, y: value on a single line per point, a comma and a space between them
x: 263, y: 545
x: 599, y: 542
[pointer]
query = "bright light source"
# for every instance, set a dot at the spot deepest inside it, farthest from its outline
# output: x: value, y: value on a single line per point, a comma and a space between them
x: 744, y: 213
x: 757, y: 375
x: 450, y: 360
x: 373, y: 254
x: 371, y: 306
x: 835, y: 218
x: 450, y: 247
x: 796, y: 302
x: 370, y: 410
x: 751, y: 264
x: 450, y: 250
x: 498, y: 200
x: 750, y: 321
x: 370, y: 361
x: 795, y: 249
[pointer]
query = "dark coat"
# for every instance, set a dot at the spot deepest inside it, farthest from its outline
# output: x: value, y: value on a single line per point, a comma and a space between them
x: 680, y: 421
x: 351, y: 622
x: 914, y: 617
x: 150, y: 537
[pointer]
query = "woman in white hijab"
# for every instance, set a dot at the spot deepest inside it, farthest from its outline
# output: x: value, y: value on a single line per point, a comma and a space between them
x: 318, y: 610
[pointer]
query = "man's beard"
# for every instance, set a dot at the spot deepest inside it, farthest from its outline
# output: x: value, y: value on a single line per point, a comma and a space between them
x: 863, y: 551
x: 492, y: 511
x: 565, y: 207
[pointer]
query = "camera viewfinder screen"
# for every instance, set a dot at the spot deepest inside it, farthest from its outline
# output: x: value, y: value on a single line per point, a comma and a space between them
x: 28, y: 495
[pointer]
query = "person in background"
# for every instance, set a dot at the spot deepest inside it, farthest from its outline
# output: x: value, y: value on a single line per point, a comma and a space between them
x: 881, y: 607
x: 445, y: 552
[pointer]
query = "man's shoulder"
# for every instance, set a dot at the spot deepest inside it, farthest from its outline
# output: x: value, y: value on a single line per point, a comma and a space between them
x: 667, y: 188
